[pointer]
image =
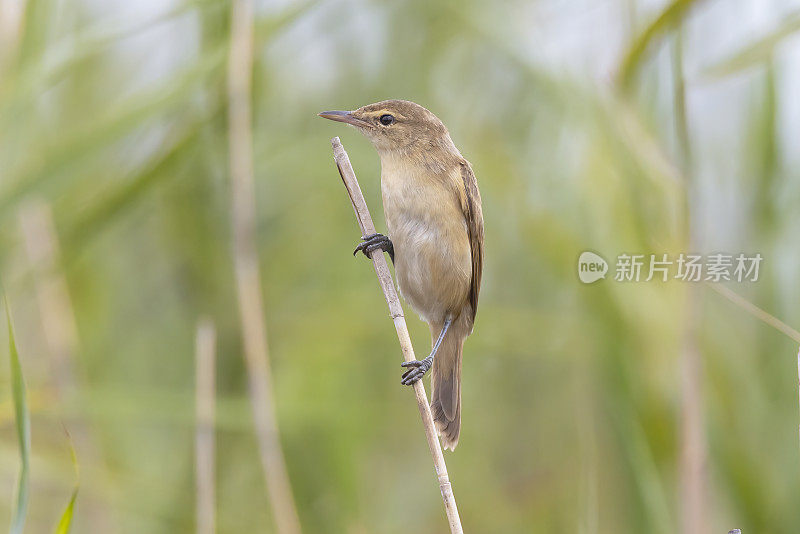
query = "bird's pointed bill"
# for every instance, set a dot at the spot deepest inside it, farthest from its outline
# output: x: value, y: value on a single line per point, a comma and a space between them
x: 343, y: 116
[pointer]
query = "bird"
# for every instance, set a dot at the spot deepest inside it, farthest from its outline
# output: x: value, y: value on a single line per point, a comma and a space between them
x: 433, y: 213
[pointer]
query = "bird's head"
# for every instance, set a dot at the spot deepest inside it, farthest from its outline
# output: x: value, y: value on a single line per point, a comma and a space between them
x: 394, y: 124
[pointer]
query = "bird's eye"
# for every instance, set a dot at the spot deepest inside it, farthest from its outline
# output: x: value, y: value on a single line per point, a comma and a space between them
x: 386, y: 120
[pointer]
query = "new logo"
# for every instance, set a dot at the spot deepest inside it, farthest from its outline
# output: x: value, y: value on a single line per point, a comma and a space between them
x: 591, y: 267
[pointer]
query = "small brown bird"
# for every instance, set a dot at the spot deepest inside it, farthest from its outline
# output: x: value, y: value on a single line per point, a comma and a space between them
x: 433, y: 210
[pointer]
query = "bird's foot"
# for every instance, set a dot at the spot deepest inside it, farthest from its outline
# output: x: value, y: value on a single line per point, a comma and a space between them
x: 417, y: 370
x: 373, y: 242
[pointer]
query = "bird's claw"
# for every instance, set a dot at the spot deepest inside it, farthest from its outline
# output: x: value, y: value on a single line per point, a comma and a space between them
x: 417, y: 369
x: 373, y: 242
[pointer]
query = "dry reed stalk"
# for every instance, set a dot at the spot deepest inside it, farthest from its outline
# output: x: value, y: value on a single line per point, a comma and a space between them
x: 765, y: 318
x: 54, y: 303
x: 755, y: 311
x: 248, y: 282
x: 60, y: 331
x: 694, y: 479
x: 693, y: 440
x: 11, y: 19
x: 396, y: 311
x: 205, y: 395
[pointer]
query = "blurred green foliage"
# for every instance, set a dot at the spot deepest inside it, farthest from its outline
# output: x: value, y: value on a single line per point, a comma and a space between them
x: 114, y: 114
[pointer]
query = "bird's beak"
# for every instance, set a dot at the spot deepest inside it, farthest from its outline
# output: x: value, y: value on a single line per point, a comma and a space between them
x: 344, y: 116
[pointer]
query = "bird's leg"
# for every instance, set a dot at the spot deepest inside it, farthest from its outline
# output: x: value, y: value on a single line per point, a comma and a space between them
x: 372, y: 242
x: 418, y: 368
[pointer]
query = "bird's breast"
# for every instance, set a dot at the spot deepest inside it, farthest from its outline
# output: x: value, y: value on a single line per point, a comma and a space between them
x: 427, y: 227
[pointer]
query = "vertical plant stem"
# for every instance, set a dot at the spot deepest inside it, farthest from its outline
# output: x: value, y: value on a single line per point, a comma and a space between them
x: 588, y: 520
x: 11, y: 17
x: 248, y: 282
x: 55, y: 305
x: 693, y: 453
x: 396, y: 311
x: 60, y: 332
x: 205, y: 395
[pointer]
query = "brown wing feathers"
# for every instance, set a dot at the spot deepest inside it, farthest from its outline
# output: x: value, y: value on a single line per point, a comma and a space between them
x: 473, y: 215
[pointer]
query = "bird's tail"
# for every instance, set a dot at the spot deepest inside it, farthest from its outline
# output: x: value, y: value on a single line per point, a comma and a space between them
x: 446, y: 386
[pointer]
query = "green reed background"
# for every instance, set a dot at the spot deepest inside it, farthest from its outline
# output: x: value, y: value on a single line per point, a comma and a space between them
x: 615, y: 126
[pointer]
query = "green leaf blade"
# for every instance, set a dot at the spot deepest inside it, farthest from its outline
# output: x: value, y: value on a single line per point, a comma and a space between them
x: 759, y: 52
x: 65, y: 523
x: 669, y: 18
x: 23, y: 425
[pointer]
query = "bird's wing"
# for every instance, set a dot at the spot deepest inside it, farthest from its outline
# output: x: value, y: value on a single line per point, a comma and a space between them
x: 473, y: 215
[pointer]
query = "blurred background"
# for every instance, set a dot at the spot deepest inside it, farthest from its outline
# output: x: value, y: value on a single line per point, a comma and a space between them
x: 617, y: 126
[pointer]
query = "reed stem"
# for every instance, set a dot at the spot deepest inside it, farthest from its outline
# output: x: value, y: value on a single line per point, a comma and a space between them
x: 396, y: 312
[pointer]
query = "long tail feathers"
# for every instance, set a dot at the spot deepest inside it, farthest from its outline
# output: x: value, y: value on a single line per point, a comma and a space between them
x: 446, y: 389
